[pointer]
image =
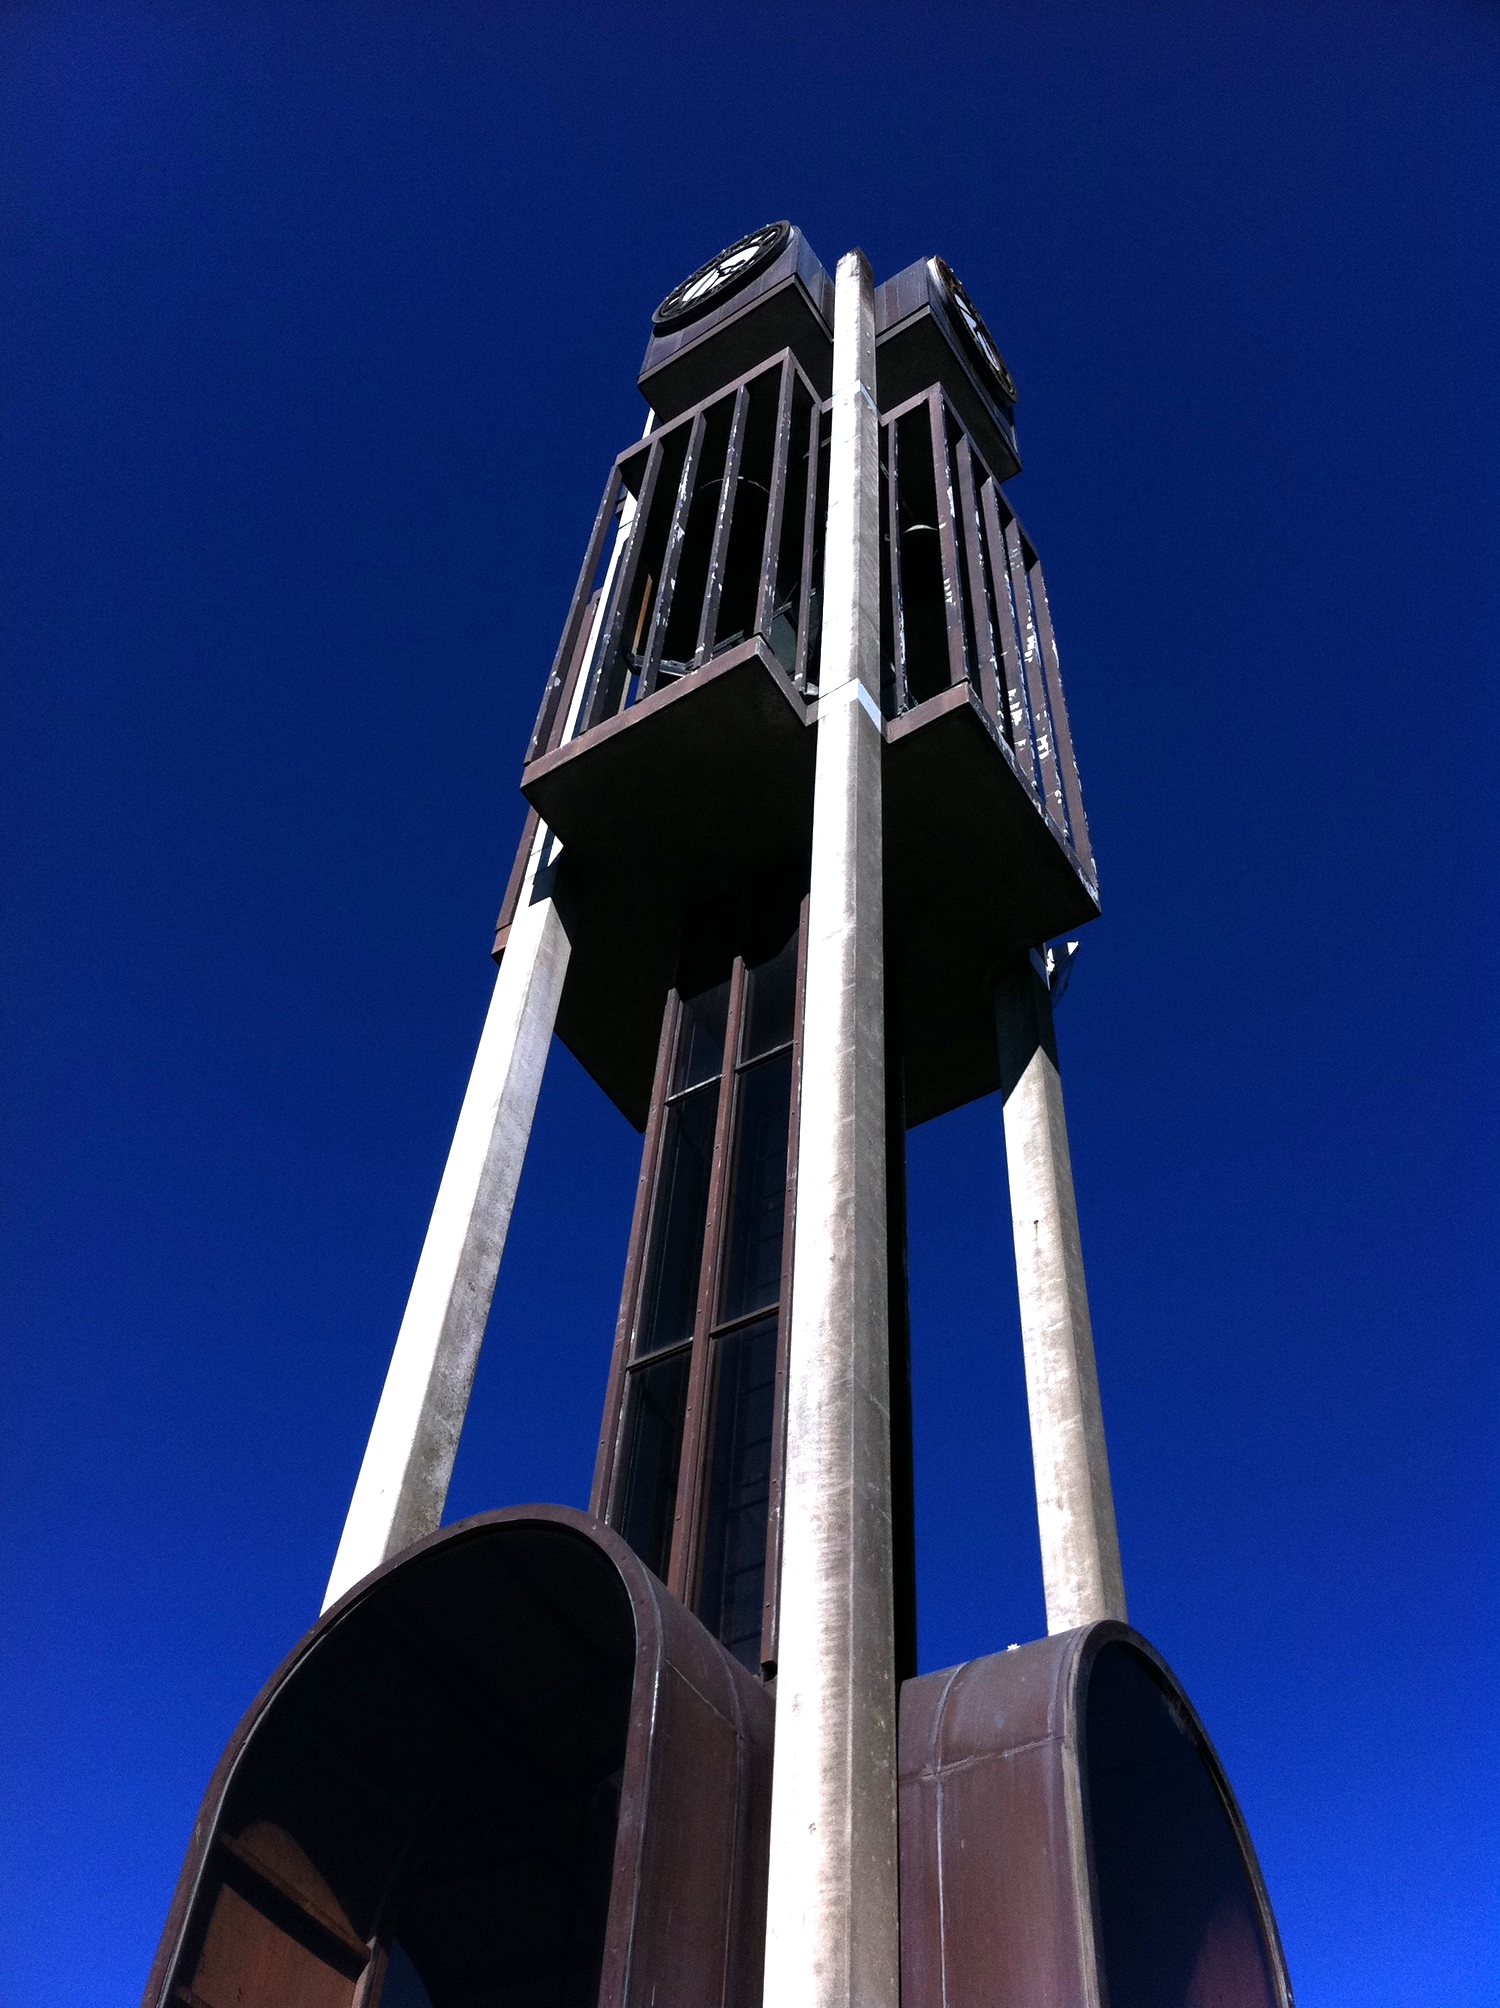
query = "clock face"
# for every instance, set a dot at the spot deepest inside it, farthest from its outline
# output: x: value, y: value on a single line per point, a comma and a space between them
x: 974, y: 328
x: 721, y: 276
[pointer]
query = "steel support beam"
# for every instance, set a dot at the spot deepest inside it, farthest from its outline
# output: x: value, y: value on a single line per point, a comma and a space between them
x: 831, y: 1939
x: 403, y: 1481
x: 1075, y: 1506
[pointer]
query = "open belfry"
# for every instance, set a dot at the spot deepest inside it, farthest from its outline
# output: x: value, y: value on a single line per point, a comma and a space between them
x: 804, y: 818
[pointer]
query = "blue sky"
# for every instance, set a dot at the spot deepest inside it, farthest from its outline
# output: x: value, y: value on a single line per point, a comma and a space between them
x: 320, y: 330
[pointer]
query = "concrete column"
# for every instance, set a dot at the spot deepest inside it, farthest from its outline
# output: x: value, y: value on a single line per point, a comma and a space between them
x: 831, y: 1935
x: 403, y: 1481
x: 1075, y: 1507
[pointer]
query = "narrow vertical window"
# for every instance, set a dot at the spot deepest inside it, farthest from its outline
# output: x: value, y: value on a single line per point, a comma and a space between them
x: 657, y: 1381
x: 732, y: 1588
x: 692, y: 1481
x: 654, y: 1408
x: 757, y: 1206
x: 732, y: 1574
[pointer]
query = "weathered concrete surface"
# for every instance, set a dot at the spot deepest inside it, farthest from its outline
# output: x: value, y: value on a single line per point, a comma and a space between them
x: 832, y: 1915
x: 403, y: 1481
x: 1075, y: 1506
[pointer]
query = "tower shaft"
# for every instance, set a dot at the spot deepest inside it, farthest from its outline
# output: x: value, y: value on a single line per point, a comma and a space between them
x: 1081, y: 1575
x: 831, y: 1917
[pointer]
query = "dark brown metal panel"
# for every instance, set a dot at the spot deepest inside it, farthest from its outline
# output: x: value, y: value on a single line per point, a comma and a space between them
x: 1000, y: 1869
x: 437, y: 1763
x: 709, y: 782
x: 699, y: 1920
x: 715, y: 587
x: 990, y: 1861
x: 953, y: 613
x: 972, y: 874
x: 682, y: 1928
x: 996, y: 515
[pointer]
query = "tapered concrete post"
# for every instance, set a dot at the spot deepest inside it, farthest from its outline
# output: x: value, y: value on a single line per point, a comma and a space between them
x: 403, y: 1481
x: 1075, y: 1506
x: 831, y: 1936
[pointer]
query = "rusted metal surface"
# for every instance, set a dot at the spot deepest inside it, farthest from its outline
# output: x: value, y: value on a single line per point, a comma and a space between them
x: 1043, y: 1866
x: 514, y: 1755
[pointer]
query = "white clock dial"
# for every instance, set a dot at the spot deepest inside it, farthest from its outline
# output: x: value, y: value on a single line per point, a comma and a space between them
x: 721, y: 276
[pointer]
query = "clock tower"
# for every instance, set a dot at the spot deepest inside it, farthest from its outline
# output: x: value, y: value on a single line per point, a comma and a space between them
x: 805, y: 842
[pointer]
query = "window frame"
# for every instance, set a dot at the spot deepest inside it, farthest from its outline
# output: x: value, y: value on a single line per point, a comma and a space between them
x: 710, y: 1330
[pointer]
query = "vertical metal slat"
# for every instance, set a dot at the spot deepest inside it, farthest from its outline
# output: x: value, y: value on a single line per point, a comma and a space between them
x: 902, y: 696
x: 595, y: 702
x: 577, y: 612
x: 1036, y: 695
x: 723, y: 523
x: 1067, y: 764
x: 672, y: 556
x: 984, y: 640
x: 765, y: 600
x: 809, y: 541
x: 1010, y: 648
x: 953, y: 611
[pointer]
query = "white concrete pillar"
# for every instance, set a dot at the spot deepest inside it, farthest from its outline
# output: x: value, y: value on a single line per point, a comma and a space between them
x: 1075, y: 1506
x: 403, y: 1481
x: 831, y: 1934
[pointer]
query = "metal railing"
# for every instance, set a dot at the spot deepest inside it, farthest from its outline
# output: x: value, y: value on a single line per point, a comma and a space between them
x: 710, y: 534
x: 718, y: 522
x: 963, y: 601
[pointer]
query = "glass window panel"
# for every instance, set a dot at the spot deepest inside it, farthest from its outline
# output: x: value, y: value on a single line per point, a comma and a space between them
x: 772, y: 1002
x: 739, y: 1490
x: 700, y: 1037
x: 655, y: 1400
x: 757, y: 1204
x: 670, y: 1298
x: 1180, y: 1920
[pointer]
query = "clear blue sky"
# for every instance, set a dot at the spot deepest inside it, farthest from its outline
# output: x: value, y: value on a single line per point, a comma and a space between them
x: 319, y: 332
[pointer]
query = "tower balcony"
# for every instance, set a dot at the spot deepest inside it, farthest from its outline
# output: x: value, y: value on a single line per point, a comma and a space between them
x: 674, y: 751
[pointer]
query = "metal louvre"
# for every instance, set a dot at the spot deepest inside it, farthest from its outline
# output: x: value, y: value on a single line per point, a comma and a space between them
x: 718, y: 540
x: 963, y: 601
